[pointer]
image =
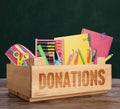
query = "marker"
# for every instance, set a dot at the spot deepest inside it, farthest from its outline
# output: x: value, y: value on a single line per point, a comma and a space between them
x: 94, y: 55
x: 76, y: 57
x: 80, y: 54
x: 108, y: 57
x: 42, y: 54
x: 70, y: 56
x: 88, y: 55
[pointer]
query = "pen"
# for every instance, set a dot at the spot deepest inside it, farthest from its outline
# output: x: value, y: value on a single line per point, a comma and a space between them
x: 108, y: 57
x: 94, y: 55
x: 81, y: 56
x: 70, y: 56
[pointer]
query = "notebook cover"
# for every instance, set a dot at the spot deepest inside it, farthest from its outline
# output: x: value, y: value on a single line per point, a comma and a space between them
x: 100, y: 41
x: 75, y: 42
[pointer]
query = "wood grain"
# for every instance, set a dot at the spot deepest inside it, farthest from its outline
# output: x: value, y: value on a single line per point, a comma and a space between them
x: 110, y: 100
x: 41, y: 82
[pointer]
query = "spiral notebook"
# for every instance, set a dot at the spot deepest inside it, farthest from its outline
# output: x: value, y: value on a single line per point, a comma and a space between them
x: 99, y: 41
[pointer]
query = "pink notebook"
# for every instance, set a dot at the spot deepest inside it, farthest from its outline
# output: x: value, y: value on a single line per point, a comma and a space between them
x: 99, y: 41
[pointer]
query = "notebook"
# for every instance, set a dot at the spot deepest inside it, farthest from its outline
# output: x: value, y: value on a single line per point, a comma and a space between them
x: 73, y: 43
x: 99, y: 41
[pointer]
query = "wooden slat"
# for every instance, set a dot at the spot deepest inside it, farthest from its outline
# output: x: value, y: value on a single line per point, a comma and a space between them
x: 47, y: 92
x: 66, y: 96
x: 58, y: 81
x: 18, y: 79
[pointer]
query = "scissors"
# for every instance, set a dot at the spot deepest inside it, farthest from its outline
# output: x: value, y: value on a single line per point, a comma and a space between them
x: 56, y: 58
x: 21, y: 60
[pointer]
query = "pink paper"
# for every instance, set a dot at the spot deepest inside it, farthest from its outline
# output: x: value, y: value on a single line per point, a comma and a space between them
x: 100, y: 41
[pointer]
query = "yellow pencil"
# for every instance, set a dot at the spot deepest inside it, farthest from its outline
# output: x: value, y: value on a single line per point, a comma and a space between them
x: 108, y: 57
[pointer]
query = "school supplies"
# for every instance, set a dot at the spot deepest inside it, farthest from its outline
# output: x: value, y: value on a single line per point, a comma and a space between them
x: 75, y: 42
x: 76, y: 57
x: 108, y: 57
x: 56, y: 58
x: 70, y: 56
x: 94, y: 55
x: 81, y: 57
x: 59, y: 47
x: 89, y: 52
x: 49, y: 46
x: 88, y: 55
x: 21, y: 59
x: 100, y: 41
x: 19, y: 54
x: 42, y: 54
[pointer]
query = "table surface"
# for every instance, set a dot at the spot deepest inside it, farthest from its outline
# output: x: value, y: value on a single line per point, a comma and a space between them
x: 110, y: 100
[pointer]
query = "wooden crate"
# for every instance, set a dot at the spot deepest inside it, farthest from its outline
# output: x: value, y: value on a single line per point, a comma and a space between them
x: 38, y: 81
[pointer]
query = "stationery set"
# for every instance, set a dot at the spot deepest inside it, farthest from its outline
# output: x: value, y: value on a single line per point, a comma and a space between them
x: 82, y: 48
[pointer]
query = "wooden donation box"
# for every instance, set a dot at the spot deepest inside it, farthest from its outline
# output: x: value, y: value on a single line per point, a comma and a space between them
x: 38, y: 81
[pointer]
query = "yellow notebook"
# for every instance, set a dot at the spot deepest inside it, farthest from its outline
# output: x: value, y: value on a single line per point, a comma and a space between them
x: 75, y: 42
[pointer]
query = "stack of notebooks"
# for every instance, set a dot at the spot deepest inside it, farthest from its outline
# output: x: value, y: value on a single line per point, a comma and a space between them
x: 83, y: 48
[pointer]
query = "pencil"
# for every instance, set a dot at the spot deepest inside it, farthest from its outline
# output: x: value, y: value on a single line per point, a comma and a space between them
x: 81, y: 56
x: 42, y: 54
x: 108, y: 57
x: 70, y: 56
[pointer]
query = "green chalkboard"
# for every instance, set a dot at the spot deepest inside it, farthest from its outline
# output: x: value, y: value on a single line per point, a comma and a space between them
x: 21, y: 21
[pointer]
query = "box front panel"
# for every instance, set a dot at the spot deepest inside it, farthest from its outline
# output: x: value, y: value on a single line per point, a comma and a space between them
x: 48, y: 81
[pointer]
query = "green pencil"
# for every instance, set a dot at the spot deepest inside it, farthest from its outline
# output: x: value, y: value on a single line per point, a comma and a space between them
x: 42, y: 54
x: 81, y: 56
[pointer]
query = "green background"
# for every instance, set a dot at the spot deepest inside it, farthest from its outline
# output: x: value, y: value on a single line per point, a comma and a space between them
x: 21, y: 21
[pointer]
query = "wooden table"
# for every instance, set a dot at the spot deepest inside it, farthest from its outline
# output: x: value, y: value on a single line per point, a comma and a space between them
x: 110, y: 100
